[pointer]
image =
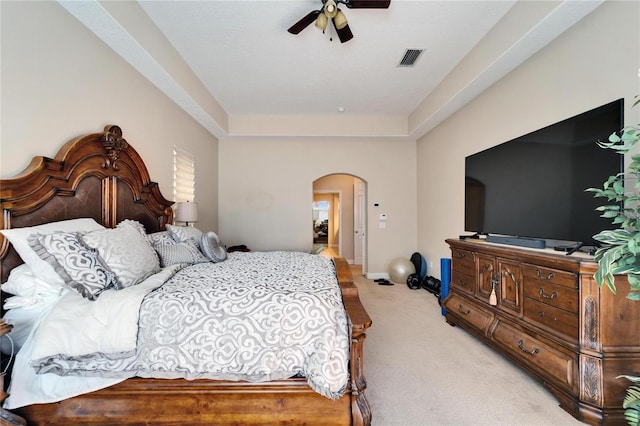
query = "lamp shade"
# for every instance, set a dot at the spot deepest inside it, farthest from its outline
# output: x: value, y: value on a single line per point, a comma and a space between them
x: 321, y: 22
x: 187, y: 212
x: 340, y: 21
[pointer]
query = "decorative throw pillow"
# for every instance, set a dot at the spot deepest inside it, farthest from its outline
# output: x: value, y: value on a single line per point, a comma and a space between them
x: 212, y: 247
x: 184, y: 233
x: 162, y: 238
x: 126, y: 252
x: 19, y: 238
x: 134, y: 224
x: 185, y: 252
x: 80, y: 267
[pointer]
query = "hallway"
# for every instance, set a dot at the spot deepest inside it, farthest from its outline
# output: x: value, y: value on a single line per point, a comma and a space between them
x: 328, y: 252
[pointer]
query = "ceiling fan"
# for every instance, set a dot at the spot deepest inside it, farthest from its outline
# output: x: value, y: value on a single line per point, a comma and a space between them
x: 330, y: 10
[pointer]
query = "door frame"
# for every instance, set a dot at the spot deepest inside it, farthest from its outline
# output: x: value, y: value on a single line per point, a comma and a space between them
x: 339, y: 193
x: 363, y: 221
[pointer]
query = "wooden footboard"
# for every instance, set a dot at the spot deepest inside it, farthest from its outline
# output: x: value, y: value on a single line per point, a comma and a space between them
x: 211, y: 402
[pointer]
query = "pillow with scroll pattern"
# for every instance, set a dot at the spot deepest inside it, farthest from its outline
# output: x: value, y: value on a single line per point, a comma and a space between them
x: 80, y: 267
x: 126, y: 251
x: 184, y: 233
x: 19, y: 238
x: 162, y: 238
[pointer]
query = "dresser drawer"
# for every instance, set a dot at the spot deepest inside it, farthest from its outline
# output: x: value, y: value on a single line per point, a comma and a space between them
x: 559, y: 321
x: 550, y: 276
x: 546, y: 360
x: 463, y: 282
x: 469, y: 312
x: 546, y: 292
x: 463, y: 261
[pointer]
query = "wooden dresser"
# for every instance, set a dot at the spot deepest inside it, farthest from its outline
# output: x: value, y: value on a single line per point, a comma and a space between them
x: 551, y: 319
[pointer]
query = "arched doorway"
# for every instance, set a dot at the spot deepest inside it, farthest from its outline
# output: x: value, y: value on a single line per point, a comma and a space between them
x: 339, y: 211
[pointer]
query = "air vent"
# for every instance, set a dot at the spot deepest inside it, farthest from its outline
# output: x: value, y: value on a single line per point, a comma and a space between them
x: 410, y: 57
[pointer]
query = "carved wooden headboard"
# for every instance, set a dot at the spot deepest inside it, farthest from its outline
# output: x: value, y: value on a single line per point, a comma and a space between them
x: 97, y: 175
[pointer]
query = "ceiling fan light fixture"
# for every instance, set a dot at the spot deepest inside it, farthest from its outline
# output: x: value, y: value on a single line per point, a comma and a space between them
x: 340, y: 21
x: 322, y: 21
x: 330, y: 9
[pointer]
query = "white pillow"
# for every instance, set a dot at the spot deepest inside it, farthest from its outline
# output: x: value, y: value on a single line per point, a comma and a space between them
x: 19, y: 237
x: 134, y: 224
x: 126, y: 252
x: 33, y: 298
x: 22, y: 282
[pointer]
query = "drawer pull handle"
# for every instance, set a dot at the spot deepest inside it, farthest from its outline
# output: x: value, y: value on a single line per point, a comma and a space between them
x: 525, y: 350
x: 460, y: 254
x: 462, y: 283
x: 467, y: 312
x: 544, y: 296
x: 550, y: 276
x: 541, y: 314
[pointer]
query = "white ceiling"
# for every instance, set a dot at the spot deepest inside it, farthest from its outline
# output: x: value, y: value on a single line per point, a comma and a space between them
x: 251, y: 66
x: 243, y: 54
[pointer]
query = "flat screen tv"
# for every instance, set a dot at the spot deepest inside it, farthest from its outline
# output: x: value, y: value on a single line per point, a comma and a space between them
x: 530, y: 191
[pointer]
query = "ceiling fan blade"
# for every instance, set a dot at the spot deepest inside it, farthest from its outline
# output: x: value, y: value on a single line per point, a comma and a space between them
x: 344, y: 34
x: 304, y: 22
x: 368, y: 4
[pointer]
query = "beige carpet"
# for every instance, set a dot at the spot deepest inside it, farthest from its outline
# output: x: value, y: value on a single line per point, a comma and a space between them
x: 422, y: 371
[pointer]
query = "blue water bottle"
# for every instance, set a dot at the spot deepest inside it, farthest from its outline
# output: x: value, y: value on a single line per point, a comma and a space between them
x: 445, y: 279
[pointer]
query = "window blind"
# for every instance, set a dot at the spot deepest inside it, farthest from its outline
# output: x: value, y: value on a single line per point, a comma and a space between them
x: 184, y: 175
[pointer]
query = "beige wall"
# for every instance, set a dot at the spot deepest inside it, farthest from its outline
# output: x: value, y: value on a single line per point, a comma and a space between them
x: 593, y: 63
x: 266, y: 188
x: 59, y: 81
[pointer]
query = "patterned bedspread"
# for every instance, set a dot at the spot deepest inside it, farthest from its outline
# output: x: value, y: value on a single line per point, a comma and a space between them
x: 257, y: 316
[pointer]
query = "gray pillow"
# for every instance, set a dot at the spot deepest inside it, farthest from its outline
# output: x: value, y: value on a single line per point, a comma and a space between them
x: 212, y: 247
x: 184, y: 233
x: 79, y: 266
x: 185, y: 252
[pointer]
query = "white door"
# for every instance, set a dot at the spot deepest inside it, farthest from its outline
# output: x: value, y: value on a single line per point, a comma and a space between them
x: 359, y: 224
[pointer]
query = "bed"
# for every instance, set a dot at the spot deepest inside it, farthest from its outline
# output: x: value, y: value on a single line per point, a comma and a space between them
x: 100, y: 177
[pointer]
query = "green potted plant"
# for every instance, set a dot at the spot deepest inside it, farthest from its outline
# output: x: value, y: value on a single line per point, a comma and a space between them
x: 620, y: 250
x: 631, y: 402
